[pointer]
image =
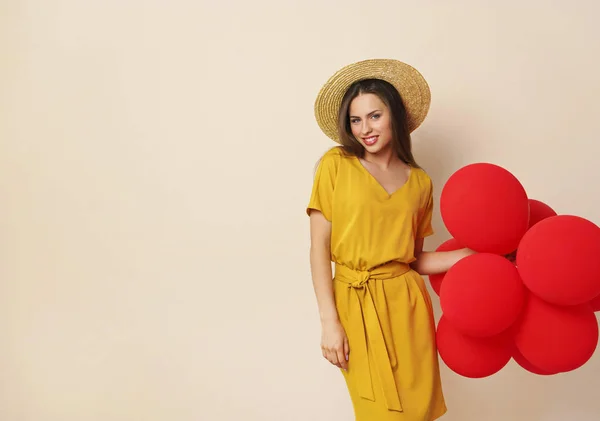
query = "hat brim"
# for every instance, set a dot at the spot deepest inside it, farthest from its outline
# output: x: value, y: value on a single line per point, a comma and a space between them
x: 411, y: 85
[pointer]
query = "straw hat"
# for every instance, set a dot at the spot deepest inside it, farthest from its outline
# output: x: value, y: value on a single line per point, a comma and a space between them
x: 411, y: 85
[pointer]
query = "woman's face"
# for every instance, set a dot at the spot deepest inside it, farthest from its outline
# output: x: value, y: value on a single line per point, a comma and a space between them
x: 370, y: 121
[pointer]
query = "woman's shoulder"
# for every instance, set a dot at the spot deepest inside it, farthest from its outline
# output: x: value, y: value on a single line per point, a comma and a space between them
x: 335, y: 152
x: 332, y: 157
x: 424, y: 179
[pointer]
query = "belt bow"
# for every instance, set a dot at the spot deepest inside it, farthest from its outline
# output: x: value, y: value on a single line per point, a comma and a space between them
x: 365, y: 326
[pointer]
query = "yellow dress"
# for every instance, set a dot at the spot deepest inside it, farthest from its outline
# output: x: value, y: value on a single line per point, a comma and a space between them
x: 384, y: 306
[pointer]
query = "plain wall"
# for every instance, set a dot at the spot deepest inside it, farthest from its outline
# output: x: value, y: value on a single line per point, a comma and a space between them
x: 156, y: 158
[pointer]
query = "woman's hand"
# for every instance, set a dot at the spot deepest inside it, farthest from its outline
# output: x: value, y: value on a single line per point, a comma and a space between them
x: 334, y: 344
x: 434, y: 262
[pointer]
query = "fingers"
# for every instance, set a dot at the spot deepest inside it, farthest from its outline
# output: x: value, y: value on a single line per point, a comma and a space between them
x: 338, y: 355
x: 346, y: 349
x: 331, y: 355
x: 341, y: 356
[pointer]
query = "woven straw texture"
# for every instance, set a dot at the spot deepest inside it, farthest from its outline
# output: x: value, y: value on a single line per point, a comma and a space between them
x: 411, y: 85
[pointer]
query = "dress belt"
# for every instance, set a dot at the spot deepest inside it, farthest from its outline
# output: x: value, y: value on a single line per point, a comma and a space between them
x: 365, y: 323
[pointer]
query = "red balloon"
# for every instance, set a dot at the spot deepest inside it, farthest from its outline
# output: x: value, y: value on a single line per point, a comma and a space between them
x: 520, y: 359
x: 469, y: 356
x: 482, y: 295
x: 558, y: 260
x: 595, y: 303
x: 556, y: 338
x: 436, y: 279
x: 538, y: 211
x: 485, y: 208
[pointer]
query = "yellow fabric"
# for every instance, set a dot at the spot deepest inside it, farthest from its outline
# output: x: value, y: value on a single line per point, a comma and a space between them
x: 362, y: 310
x: 383, y: 305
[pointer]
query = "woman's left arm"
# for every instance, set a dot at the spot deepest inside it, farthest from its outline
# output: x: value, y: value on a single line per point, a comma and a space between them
x: 434, y: 262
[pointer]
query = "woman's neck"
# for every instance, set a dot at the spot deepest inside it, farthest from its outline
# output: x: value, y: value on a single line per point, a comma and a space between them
x: 384, y: 159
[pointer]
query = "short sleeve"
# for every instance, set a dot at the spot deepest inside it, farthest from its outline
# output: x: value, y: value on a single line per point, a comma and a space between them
x: 321, y: 197
x: 424, y: 224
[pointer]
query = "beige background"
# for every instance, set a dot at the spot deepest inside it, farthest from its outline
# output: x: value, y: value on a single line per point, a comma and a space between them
x: 155, y: 161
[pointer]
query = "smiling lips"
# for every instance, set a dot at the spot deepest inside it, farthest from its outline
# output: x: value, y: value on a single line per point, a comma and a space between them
x: 370, y: 141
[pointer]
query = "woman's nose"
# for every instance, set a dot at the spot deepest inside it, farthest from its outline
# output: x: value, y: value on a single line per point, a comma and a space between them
x: 366, y: 128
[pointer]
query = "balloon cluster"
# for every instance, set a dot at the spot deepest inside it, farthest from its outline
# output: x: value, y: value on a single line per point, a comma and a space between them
x: 536, y: 308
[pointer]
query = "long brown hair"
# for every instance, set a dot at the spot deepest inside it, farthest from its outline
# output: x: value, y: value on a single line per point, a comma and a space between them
x: 390, y: 96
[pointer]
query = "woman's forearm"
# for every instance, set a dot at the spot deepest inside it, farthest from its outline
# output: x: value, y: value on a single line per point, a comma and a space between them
x: 434, y: 262
x: 320, y: 263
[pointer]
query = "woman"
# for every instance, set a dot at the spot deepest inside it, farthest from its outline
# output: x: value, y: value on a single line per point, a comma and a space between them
x: 370, y: 210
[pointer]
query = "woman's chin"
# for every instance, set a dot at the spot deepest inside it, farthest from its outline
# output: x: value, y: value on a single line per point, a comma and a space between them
x: 375, y: 148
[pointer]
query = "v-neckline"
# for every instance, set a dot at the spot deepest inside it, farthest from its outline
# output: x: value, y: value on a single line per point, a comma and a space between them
x: 387, y: 194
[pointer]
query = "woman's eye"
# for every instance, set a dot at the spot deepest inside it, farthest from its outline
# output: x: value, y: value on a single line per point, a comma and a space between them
x: 375, y: 116
x: 354, y: 121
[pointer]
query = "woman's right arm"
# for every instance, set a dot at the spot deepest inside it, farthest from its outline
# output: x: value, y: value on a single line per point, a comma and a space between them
x: 334, y: 343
